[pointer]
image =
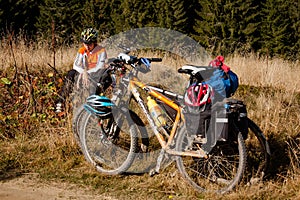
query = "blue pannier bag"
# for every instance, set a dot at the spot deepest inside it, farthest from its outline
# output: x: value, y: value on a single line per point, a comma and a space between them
x: 231, y: 83
x: 225, y: 84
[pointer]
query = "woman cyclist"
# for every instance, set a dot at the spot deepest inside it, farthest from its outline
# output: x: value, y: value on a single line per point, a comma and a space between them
x: 89, y: 65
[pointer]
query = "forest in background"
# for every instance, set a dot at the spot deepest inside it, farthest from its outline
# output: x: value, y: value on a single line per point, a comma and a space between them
x: 268, y: 27
x: 34, y: 140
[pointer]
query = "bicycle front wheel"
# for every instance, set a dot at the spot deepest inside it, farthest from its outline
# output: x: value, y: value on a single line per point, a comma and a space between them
x: 220, y: 172
x: 77, y: 121
x: 109, y: 144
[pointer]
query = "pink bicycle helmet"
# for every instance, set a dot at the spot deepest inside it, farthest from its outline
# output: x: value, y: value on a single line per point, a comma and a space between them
x: 198, y: 95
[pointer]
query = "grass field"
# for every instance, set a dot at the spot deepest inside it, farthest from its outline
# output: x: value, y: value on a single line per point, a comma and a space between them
x: 35, y: 140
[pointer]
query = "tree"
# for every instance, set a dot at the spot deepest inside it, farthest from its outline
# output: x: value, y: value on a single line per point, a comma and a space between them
x: 275, y: 27
x: 134, y: 14
x: 226, y: 26
x: 99, y: 14
x: 18, y: 15
x: 64, y: 15
x: 171, y: 14
x: 295, y: 26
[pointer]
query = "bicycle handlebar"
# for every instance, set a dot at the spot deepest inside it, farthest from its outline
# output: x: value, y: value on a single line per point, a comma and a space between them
x: 155, y: 59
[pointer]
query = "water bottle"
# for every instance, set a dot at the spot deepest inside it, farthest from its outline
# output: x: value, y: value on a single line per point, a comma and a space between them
x: 156, y: 112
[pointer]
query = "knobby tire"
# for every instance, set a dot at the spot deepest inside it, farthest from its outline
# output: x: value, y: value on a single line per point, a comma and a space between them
x: 220, y: 172
x: 113, y: 155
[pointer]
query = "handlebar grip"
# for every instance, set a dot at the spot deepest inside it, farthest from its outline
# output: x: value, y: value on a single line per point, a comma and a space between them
x: 110, y: 60
x: 180, y: 70
x: 155, y: 59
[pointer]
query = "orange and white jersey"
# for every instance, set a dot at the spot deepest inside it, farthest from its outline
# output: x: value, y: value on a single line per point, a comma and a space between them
x: 93, y: 60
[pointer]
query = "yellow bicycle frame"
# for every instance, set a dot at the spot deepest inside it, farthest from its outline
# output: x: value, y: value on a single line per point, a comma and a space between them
x: 136, y: 83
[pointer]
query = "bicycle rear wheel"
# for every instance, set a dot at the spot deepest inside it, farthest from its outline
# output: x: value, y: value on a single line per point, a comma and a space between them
x: 258, y: 152
x: 109, y: 144
x: 220, y: 172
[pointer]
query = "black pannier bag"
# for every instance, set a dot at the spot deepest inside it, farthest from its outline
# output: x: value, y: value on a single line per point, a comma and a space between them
x: 225, y: 116
x: 219, y: 124
x: 238, y: 114
x: 197, y: 121
x: 197, y: 110
x: 216, y: 122
x: 210, y: 123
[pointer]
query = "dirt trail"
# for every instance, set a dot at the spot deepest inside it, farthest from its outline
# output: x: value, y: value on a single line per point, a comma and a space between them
x: 28, y: 187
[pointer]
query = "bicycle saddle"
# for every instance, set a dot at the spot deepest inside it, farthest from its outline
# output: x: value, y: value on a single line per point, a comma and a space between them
x: 192, y: 69
x: 199, y: 72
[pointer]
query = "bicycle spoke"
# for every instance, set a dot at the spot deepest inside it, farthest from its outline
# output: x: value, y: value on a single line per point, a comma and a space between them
x: 111, y: 154
x: 220, y: 172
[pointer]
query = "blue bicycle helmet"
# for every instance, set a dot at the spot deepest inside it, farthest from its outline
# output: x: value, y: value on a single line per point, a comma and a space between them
x: 99, y: 105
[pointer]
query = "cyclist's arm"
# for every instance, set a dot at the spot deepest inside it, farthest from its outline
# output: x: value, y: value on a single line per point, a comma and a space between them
x: 78, y: 63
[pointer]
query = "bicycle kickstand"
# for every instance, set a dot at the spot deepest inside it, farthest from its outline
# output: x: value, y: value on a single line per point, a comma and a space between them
x: 158, y: 163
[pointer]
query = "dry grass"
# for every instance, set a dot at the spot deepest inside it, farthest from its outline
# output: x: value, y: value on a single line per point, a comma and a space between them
x: 44, y: 144
x: 275, y: 73
x: 20, y: 53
